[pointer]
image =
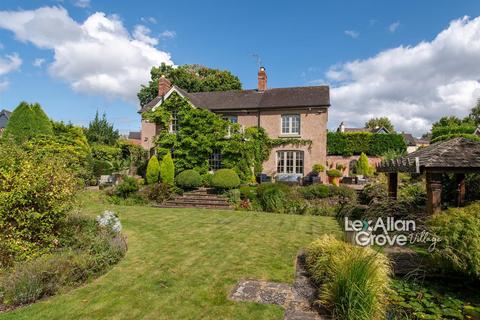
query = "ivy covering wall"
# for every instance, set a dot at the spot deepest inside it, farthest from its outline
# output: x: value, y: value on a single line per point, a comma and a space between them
x: 202, y: 133
x: 354, y: 143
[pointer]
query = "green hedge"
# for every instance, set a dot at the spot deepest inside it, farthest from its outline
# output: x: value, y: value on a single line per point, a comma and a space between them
x: 450, y: 130
x: 456, y: 135
x: 354, y: 143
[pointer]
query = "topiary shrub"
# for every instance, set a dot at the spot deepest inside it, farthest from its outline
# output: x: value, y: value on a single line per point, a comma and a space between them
x: 459, y: 232
x: 354, y: 280
x: 318, y: 168
x: 334, y: 173
x: 167, y: 170
x: 153, y: 170
x: 363, y: 168
x: 189, y: 179
x: 225, y: 179
x: 207, y: 179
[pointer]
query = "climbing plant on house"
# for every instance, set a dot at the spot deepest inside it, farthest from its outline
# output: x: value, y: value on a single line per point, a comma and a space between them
x: 201, y: 133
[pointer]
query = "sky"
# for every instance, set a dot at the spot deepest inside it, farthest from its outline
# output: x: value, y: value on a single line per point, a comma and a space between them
x: 413, y: 61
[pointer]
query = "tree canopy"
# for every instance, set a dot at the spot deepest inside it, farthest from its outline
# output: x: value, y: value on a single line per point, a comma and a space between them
x: 101, y: 131
x: 380, y: 122
x: 190, y: 77
x: 26, y: 122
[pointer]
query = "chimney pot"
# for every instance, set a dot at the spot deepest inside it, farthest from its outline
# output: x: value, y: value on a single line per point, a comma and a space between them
x: 262, y: 79
x: 164, y: 85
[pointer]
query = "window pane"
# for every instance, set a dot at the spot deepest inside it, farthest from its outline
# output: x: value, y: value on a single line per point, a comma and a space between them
x: 174, y: 121
x: 289, y: 162
x: 295, y: 124
x: 299, y: 162
x: 284, y: 124
x: 281, y: 162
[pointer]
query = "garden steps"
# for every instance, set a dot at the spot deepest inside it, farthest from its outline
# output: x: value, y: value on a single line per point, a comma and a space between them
x: 201, y: 198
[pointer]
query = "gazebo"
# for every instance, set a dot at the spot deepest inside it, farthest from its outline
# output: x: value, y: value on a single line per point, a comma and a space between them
x: 457, y: 155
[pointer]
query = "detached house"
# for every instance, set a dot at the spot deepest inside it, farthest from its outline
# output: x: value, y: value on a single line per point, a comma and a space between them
x: 298, y: 112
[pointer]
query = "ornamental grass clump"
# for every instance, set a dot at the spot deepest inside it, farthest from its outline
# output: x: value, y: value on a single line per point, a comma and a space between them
x: 354, y: 280
x: 458, y: 230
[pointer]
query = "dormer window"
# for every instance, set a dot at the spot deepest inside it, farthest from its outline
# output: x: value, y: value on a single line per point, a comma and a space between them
x: 291, y: 124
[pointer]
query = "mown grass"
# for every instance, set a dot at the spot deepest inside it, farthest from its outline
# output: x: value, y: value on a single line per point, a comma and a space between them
x: 182, y: 263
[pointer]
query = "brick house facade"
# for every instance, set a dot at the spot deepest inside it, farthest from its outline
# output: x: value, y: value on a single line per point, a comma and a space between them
x: 298, y: 112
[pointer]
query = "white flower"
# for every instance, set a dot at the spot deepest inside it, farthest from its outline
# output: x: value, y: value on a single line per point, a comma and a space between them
x: 109, y: 219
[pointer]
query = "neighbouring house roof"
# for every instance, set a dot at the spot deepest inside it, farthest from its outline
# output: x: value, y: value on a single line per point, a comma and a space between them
x: 134, y: 135
x: 316, y: 96
x: 409, y: 139
x: 454, y: 154
x: 4, y: 116
x: 372, y: 130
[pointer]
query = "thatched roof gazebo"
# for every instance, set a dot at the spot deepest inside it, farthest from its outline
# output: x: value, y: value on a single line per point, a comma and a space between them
x: 458, y: 155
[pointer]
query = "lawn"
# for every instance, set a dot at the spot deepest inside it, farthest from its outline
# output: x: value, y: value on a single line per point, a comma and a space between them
x: 182, y: 263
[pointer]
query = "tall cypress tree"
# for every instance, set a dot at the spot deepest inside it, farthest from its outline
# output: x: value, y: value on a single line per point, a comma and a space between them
x: 26, y: 122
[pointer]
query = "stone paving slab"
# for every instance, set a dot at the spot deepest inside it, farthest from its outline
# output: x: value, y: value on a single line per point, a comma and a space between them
x: 297, y: 299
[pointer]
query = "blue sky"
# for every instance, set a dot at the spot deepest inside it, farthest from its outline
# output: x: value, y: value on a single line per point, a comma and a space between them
x: 411, y: 60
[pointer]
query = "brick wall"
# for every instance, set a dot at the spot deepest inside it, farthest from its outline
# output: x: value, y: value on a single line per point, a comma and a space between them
x: 332, y: 162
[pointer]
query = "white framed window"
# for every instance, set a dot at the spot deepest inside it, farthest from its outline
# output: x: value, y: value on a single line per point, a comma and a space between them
x: 290, y: 162
x: 174, y: 123
x: 291, y: 124
x: 215, y: 161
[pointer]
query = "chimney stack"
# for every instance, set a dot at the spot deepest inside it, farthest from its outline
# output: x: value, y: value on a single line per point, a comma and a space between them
x: 163, y: 85
x: 262, y: 79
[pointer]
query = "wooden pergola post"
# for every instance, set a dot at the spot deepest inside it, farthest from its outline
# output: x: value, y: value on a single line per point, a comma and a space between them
x: 434, y: 192
x: 392, y: 185
x: 460, y: 178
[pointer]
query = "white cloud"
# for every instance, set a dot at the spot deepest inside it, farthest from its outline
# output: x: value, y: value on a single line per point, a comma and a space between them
x: 142, y: 33
x: 151, y: 20
x: 414, y: 85
x: 98, y: 56
x: 4, y: 85
x: 352, y: 33
x: 82, y: 3
x: 393, y: 27
x: 38, y: 62
x: 168, y: 34
x: 9, y: 63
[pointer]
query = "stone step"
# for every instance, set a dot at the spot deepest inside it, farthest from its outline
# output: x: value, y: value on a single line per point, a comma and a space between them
x: 197, y: 198
x: 198, y: 206
x: 208, y: 203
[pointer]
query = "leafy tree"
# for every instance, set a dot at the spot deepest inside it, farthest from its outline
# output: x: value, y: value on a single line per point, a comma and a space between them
x: 363, y: 167
x: 101, y: 131
x: 26, y: 122
x: 68, y: 142
x: 190, y: 77
x: 167, y: 169
x: 153, y: 170
x: 380, y: 122
x: 36, y: 192
x: 474, y: 115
